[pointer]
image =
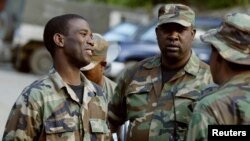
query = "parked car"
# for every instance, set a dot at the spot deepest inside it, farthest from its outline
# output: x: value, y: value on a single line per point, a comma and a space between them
x: 122, y: 32
x: 143, y: 44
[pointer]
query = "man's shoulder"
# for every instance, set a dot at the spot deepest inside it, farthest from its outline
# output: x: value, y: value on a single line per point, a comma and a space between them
x: 225, y: 99
x: 109, y: 81
x: 35, y: 92
x: 214, y: 96
x: 42, y: 84
x: 238, y: 88
x: 198, y: 68
x: 208, y: 90
x: 145, y: 64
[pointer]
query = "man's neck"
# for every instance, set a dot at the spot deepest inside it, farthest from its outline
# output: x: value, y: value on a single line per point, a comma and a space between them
x: 69, y: 74
x: 171, y: 64
x: 99, y: 81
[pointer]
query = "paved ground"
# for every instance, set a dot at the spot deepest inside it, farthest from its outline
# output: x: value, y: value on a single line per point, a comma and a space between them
x: 11, y: 85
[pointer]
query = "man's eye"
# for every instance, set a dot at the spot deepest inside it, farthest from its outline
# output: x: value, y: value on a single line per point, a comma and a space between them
x: 180, y: 30
x: 166, y: 30
x: 83, y: 34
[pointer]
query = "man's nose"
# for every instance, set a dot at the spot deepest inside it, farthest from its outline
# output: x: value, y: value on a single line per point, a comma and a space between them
x: 90, y: 41
x: 173, y: 35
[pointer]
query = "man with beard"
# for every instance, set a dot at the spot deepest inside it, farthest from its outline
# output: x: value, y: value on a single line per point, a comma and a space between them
x: 157, y: 95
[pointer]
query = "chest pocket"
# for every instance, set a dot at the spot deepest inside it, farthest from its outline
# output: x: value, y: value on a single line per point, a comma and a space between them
x: 184, y: 103
x: 99, y: 129
x: 137, y: 98
x: 60, y: 126
x: 99, y: 126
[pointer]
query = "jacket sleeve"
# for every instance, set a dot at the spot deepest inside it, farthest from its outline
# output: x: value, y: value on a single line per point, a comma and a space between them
x: 198, y: 126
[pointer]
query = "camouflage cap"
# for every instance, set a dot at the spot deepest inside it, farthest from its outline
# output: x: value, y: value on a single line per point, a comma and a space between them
x: 100, y: 51
x: 176, y: 13
x: 232, y: 39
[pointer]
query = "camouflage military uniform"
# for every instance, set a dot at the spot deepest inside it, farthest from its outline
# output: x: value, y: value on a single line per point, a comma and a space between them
x: 48, y: 109
x: 109, y: 88
x: 148, y: 106
x: 221, y: 107
x: 99, y: 56
x: 230, y: 103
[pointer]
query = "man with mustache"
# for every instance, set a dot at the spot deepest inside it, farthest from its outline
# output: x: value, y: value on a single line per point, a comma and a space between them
x: 158, y: 93
x: 64, y: 105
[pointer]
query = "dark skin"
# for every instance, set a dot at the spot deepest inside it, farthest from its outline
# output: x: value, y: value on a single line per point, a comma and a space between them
x: 73, y: 51
x: 175, y: 43
x: 220, y: 68
x: 96, y: 74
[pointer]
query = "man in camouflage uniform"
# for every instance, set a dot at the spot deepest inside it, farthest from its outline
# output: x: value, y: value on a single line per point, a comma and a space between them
x: 63, y: 106
x: 158, y: 93
x: 95, y: 70
x: 230, y: 67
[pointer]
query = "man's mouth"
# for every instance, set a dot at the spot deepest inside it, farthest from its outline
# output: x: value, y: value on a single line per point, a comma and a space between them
x: 172, y: 47
x: 89, y: 52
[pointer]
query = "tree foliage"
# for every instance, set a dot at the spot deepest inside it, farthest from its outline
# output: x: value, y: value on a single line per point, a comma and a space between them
x: 217, y: 4
x: 208, y: 4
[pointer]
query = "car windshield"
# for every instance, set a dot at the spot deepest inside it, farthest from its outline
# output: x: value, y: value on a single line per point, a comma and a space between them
x: 207, y: 23
x: 149, y: 35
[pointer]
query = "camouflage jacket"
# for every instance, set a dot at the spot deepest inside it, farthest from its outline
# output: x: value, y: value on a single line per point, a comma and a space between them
x: 48, y: 109
x: 141, y: 99
x: 228, y: 105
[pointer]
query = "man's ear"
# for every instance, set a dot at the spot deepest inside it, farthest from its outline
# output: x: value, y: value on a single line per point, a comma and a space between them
x: 104, y: 63
x: 194, y: 32
x: 59, y: 39
x: 156, y: 30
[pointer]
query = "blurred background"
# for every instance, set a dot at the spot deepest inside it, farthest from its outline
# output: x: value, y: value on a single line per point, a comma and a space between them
x: 128, y: 25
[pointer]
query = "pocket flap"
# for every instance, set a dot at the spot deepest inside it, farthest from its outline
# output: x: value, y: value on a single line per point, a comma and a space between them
x: 99, y: 126
x: 186, y: 93
x: 134, y: 88
x: 60, y: 126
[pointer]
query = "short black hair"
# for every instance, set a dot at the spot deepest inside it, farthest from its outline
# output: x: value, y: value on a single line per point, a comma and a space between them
x: 58, y: 24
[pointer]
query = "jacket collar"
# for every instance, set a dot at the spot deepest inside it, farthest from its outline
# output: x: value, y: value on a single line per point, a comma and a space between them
x: 192, y: 66
x: 59, y: 84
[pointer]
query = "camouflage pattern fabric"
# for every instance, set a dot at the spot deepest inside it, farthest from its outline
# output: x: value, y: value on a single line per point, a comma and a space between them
x: 141, y: 99
x: 232, y: 39
x: 100, y: 52
x: 49, y: 109
x: 229, y: 105
x: 109, y: 88
x: 176, y: 13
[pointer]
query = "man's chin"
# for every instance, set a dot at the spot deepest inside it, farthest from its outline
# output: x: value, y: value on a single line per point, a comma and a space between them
x: 172, y: 55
